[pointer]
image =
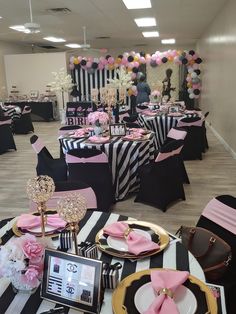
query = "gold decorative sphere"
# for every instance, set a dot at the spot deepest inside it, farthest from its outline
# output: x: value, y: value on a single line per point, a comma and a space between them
x: 40, y: 189
x: 72, y: 207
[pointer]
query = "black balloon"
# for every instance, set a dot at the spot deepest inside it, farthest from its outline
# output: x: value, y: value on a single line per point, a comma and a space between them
x: 196, y: 91
x: 83, y: 62
x: 130, y: 58
x: 153, y: 64
x: 135, y: 70
x: 94, y: 65
x: 184, y: 61
x: 120, y: 56
x: 198, y: 60
x: 191, y: 52
x: 108, y: 56
x: 197, y: 71
x: 164, y: 60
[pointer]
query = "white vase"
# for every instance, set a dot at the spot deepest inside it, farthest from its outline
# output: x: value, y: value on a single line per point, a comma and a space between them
x: 98, y: 130
x: 63, y: 116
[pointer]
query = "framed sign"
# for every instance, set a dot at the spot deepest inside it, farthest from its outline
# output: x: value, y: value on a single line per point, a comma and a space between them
x: 117, y: 129
x: 72, y: 280
x: 173, y: 109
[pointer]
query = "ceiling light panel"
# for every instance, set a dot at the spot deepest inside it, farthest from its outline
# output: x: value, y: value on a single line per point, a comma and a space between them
x: 55, y: 39
x: 137, y: 4
x: 73, y: 45
x: 150, y: 34
x: 169, y: 41
x: 146, y: 21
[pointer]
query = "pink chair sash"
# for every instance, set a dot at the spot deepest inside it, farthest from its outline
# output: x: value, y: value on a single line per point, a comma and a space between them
x: 38, y: 146
x: 87, y: 193
x: 195, y: 123
x: 177, y: 134
x: 163, y: 156
x: 6, y: 122
x: 221, y: 214
x: 101, y: 158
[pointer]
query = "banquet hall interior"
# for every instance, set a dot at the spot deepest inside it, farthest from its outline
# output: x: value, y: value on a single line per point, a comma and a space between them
x: 71, y: 74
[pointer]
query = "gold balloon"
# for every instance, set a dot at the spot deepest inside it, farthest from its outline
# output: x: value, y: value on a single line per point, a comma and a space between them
x: 76, y: 61
x: 136, y: 58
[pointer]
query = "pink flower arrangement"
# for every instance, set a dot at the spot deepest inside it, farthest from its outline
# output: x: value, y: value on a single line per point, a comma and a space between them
x: 21, y: 260
x: 98, y: 116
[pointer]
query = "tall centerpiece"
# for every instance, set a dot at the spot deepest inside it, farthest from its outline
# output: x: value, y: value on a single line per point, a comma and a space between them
x: 39, y: 190
x: 98, y: 119
x: 62, y: 83
x: 72, y: 209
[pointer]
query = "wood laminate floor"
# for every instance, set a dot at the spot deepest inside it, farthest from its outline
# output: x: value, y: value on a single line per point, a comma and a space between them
x: 214, y: 175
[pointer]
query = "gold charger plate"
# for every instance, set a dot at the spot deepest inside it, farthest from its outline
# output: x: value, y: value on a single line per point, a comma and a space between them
x: 118, y: 296
x: 157, y: 233
x: 18, y: 232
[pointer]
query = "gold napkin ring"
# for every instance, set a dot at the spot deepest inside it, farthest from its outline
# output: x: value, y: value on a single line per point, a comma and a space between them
x: 166, y: 291
x: 127, y: 232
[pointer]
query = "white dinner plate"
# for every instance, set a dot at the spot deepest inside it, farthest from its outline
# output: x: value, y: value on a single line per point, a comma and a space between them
x: 120, y: 243
x: 183, y: 297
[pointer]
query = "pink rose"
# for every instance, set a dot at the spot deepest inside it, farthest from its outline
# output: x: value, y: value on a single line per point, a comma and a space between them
x: 31, y: 276
x: 31, y: 248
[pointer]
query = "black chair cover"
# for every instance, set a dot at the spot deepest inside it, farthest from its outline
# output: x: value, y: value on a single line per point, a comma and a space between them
x: 96, y: 175
x: 161, y: 182
x: 55, y: 168
x: 6, y: 138
x: 194, y: 141
x: 23, y: 125
x: 229, y: 280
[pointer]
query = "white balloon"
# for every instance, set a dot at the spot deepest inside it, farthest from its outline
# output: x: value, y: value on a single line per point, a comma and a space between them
x: 191, y: 96
x: 194, y: 75
x: 190, y: 70
x: 190, y: 90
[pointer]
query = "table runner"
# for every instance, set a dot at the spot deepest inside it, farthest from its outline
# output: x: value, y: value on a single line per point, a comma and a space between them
x: 175, y: 256
x: 125, y: 157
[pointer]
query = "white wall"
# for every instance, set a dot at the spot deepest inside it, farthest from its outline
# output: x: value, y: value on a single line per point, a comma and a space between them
x: 217, y: 47
x: 8, y: 48
x: 33, y: 71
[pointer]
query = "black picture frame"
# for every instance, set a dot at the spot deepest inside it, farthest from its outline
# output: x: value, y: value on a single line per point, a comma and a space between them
x: 63, y: 273
x: 173, y: 109
x: 117, y: 129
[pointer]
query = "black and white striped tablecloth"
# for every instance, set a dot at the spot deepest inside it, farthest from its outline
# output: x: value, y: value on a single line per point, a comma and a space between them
x: 175, y: 257
x: 125, y: 157
x: 12, y: 111
x: 160, y: 125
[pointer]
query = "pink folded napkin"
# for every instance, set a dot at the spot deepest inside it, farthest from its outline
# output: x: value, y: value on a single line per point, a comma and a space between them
x: 149, y: 113
x: 31, y: 221
x: 169, y: 280
x: 136, y: 130
x: 133, y: 136
x: 99, y: 139
x: 136, y: 242
x: 79, y: 133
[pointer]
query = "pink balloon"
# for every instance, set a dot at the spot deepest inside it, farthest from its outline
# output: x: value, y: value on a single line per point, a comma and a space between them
x: 176, y: 59
x: 71, y: 66
x: 195, y: 56
x: 188, y: 79
x: 133, y: 76
x: 153, y: 57
x: 142, y: 60
x: 195, y: 66
x: 158, y: 61
x: 110, y: 60
x: 79, y: 58
x: 136, y: 64
x: 134, y: 88
x: 90, y: 59
x: 124, y: 61
x: 72, y: 59
x: 89, y: 64
x: 100, y: 66
x: 104, y: 62
x: 189, y: 57
x: 131, y: 65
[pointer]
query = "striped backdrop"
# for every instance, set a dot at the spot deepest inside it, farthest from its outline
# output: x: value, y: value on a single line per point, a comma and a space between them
x: 175, y: 256
x: 85, y: 82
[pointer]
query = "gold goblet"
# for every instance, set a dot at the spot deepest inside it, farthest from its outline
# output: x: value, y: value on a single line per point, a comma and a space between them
x: 72, y: 209
x: 39, y: 190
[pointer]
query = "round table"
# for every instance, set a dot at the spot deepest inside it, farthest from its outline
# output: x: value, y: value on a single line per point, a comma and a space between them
x: 175, y: 256
x: 125, y: 157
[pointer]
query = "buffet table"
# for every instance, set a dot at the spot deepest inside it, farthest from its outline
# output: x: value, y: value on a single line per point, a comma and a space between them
x: 174, y: 256
x: 40, y: 111
x: 125, y: 157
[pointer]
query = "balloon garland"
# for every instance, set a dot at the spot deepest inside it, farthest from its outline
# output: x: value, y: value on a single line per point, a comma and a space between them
x: 132, y: 61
